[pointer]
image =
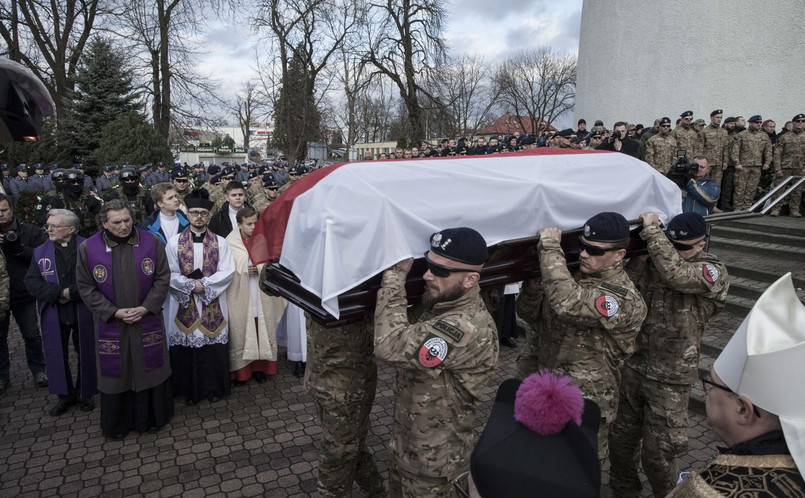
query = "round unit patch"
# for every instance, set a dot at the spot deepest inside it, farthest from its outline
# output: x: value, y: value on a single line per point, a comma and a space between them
x: 433, y: 352
x: 99, y: 273
x: 710, y: 273
x: 147, y: 266
x: 607, y: 306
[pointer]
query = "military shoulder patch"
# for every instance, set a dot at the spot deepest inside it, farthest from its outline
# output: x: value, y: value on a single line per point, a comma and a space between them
x: 607, y: 305
x: 433, y: 352
x: 710, y: 273
x: 449, y: 330
x: 615, y: 289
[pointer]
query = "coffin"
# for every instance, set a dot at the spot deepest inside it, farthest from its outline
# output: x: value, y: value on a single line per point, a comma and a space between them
x: 330, y: 235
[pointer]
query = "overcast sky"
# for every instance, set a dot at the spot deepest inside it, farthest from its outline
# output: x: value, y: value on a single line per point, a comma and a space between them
x: 474, y: 27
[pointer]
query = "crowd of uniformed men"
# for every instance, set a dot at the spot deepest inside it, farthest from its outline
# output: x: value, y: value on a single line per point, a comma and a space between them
x: 627, y: 333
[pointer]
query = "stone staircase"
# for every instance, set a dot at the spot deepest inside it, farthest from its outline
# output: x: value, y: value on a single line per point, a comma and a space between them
x: 757, y: 251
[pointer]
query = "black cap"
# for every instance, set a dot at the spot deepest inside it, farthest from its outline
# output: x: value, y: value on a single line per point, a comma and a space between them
x: 511, y: 460
x: 729, y: 120
x: 461, y: 244
x: 686, y: 114
x: 665, y: 120
x: 606, y: 227
x: 755, y: 119
x: 717, y: 111
x: 798, y: 116
x: 687, y: 226
x: 198, y: 198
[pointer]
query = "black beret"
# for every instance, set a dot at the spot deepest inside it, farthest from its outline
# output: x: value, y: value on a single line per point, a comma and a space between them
x: 178, y: 173
x: 687, y: 226
x: 729, y: 120
x: 198, y: 198
x: 665, y: 120
x: 228, y: 170
x: 717, y: 111
x: 511, y: 460
x: 798, y: 116
x: 755, y: 119
x: 606, y: 227
x: 269, y: 182
x: 596, y: 133
x: 215, y: 179
x: 461, y: 244
x: 267, y: 176
x: 253, y: 174
x: 686, y: 114
x: 214, y: 169
x: 565, y: 133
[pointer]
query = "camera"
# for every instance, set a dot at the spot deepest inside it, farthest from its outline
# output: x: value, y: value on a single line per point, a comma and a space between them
x: 11, y: 236
x: 682, y: 170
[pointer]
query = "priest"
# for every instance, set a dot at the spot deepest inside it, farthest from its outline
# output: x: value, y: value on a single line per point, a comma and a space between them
x: 122, y: 275
x: 201, y: 268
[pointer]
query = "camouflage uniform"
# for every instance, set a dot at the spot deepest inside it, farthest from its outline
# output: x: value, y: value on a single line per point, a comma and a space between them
x: 87, y: 207
x: 584, y: 329
x: 789, y: 159
x: 688, y: 140
x: 661, y: 151
x: 683, y: 297
x: 715, y: 142
x: 139, y: 205
x: 257, y: 198
x: 751, y: 150
x: 444, y: 358
x: 218, y: 196
x: 341, y: 377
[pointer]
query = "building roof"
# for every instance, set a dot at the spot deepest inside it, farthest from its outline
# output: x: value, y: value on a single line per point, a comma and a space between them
x: 509, y: 124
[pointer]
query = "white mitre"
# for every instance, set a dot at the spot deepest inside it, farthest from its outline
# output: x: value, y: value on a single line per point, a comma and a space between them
x: 765, y: 361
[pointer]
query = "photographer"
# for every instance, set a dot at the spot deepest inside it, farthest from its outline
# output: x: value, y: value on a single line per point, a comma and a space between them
x: 619, y: 142
x: 17, y: 241
x: 700, y: 194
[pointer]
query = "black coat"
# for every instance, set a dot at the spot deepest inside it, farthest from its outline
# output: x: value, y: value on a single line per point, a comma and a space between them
x: 18, y: 255
x: 629, y: 146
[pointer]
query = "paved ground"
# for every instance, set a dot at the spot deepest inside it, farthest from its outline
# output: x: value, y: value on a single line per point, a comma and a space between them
x: 259, y: 441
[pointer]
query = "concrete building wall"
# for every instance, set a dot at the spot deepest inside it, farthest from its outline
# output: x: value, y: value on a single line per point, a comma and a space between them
x: 639, y: 60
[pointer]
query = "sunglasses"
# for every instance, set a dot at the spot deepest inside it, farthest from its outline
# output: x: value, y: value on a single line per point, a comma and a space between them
x: 684, y: 247
x: 665, y: 126
x: 595, y: 250
x: 799, y: 121
x: 708, y: 382
x: 181, y: 180
x: 445, y: 271
x: 129, y: 179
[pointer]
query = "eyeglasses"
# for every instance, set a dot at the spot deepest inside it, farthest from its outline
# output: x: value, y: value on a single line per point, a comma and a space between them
x: 444, y: 271
x: 684, y: 247
x: 708, y: 382
x: 198, y: 214
x: 595, y: 250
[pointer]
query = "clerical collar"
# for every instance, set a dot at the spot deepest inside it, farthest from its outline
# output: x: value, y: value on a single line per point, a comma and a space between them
x: 198, y: 237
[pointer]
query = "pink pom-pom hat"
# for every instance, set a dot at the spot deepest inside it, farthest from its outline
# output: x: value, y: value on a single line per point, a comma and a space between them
x: 546, y: 402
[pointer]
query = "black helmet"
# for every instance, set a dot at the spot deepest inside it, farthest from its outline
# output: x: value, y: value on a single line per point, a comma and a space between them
x: 128, y: 172
x: 73, y: 174
x: 58, y: 175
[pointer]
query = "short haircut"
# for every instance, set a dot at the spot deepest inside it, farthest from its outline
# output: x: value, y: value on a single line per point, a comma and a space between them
x: 233, y: 185
x: 159, y: 190
x: 245, y: 212
x: 700, y: 156
x: 619, y: 123
x: 114, y: 205
x: 72, y: 218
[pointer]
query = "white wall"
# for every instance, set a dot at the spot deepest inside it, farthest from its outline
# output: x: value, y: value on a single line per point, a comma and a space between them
x: 639, y: 60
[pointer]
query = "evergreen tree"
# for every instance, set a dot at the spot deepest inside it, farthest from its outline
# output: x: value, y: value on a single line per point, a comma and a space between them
x: 131, y: 138
x: 104, y: 91
x: 296, y: 117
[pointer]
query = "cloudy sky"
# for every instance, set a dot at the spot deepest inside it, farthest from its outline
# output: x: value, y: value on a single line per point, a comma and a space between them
x: 474, y: 27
